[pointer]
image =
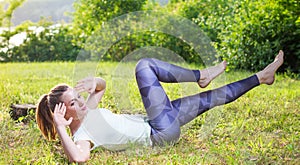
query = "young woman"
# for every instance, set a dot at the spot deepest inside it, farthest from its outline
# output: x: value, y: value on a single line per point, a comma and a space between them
x: 92, y: 127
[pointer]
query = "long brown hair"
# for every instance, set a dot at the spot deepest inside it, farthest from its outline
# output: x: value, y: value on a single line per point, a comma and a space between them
x: 45, y: 109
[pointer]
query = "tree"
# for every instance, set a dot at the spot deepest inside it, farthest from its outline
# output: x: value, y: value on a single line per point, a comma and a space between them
x: 89, y: 15
x: 92, y: 16
x: 5, y: 20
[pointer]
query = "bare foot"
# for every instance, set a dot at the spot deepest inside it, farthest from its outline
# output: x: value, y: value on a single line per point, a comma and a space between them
x: 267, y: 75
x: 208, y: 74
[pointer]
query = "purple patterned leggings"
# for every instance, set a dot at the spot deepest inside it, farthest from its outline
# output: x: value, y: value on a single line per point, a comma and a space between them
x: 165, y: 116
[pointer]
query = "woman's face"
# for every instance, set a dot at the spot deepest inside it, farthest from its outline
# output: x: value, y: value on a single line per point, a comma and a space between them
x: 75, y: 104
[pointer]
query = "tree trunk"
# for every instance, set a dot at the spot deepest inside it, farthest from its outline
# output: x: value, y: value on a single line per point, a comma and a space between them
x: 22, y: 112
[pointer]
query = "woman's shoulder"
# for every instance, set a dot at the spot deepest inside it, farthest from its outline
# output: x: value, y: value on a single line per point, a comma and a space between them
x: 97, y: 110
x: 97, y: 113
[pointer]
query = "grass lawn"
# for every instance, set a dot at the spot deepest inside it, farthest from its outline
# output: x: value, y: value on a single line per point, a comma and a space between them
x: 261, y: 127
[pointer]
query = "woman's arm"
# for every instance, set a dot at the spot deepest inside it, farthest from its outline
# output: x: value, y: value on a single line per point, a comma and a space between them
x: 95, y: 97
x: 76, y: 152
x: 95, y: 86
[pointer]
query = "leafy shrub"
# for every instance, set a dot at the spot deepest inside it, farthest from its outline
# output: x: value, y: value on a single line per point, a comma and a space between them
x: 90, y: 15
x: 248, y: 34
x: 258, y: 31
x: 52, y: 43
x: 147, y: 39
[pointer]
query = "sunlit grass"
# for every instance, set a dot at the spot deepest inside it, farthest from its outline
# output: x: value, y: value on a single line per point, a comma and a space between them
x: 262, y: 127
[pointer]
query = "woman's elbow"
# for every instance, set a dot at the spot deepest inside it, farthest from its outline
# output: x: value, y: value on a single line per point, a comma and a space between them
x: 80, y: 159
x: 100, y: 84
x: 76, y: 160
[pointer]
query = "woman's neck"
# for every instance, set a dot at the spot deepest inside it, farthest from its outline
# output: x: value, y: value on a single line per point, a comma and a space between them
x: 75, y: 125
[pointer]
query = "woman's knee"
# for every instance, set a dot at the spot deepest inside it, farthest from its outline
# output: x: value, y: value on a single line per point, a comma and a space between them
x: 142, y: 63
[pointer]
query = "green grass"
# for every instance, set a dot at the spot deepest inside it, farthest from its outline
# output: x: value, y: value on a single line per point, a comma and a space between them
x: 262, y: 127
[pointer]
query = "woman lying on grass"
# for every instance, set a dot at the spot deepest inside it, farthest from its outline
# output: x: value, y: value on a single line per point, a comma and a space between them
x: 92, y: 127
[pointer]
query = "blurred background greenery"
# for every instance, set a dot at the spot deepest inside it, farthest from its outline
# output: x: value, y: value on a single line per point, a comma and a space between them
x: 246, y: 33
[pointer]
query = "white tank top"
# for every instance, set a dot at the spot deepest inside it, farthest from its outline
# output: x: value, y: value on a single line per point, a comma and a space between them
x: 113, y: 131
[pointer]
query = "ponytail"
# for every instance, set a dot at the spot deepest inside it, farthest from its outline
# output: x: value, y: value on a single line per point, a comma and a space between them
x: 45, y: 109
x: 44, y: 119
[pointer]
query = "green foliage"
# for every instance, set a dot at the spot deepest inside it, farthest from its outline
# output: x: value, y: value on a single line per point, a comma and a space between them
x: 260, y: 29
x: 11, y: 5
x: 89, y: 15
x: 211, y: 16
x: 135, y: 38
x: 138, y: 40
x: 52, y: 43
x: 248, y: 34
x: 7, y: 8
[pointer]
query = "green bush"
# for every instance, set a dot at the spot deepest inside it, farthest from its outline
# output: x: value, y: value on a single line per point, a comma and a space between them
x: 51, y: 44
x: 258, y: 31
x: 148, y: 39
x: 248, y: 34
x: 89, y: 15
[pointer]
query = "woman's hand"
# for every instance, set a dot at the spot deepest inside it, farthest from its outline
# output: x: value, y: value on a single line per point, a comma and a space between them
x: 88, y: 84
x: 59, y: 116
x: 76, y: 152
x: 95, y: 86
